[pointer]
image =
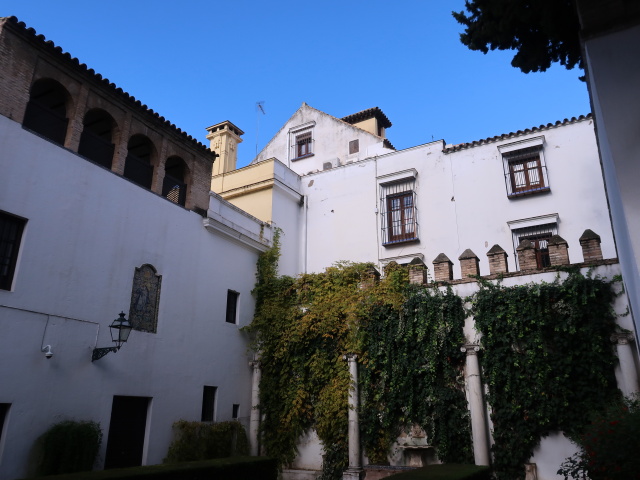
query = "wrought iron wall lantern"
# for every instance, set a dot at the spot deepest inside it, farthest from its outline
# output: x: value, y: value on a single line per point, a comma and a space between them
x: 120, y: 330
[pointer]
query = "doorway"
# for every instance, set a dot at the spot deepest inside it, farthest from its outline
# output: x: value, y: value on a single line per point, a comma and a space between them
x: 126, y: 432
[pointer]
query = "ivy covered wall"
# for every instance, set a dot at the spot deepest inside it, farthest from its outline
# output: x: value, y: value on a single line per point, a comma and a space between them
x: 546, y: 359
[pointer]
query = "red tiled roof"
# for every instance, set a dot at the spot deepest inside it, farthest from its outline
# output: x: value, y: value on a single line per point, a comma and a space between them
x: 505, y: 136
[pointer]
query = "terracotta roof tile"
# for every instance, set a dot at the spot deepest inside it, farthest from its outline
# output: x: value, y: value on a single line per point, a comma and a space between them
x: 505, y: 136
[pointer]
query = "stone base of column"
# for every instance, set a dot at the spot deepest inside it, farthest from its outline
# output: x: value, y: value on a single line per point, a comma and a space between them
x: 353, y: 474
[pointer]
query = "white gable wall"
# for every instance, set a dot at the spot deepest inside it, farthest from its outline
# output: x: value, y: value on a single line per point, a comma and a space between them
x: 331, y: 138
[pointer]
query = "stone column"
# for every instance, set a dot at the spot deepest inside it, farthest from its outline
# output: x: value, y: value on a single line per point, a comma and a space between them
x: 479, y: 430
x: 354, y: 472
x: 254, y: 419
x: 627, y: 362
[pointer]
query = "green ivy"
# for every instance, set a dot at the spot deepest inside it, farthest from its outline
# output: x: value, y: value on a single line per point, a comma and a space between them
x: 547, y: 360
x: 413, y: 374
x: 303, y: 327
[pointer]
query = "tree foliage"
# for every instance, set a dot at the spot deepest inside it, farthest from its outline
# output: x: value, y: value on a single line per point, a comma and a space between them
x: 541, y: 31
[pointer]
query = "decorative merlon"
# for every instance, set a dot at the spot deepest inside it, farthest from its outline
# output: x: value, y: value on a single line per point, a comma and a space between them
x: 590, y: 243
x: 497, y: 260
x: 443, y: 268
x: 418, y: 272
x: 469, y: 264
x: 527, y: 255
x: 558, y: 250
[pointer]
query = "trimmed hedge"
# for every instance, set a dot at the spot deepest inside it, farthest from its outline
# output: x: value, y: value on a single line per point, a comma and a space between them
x: 445, y: 472
x: 69, y: 447
x: 236, y: 468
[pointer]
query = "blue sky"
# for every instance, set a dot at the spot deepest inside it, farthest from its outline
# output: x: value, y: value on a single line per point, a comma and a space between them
x: 198, y: 63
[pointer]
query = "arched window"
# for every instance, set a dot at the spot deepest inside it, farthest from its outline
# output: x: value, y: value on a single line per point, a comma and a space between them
x: 47, y: 110
x: 138, y: 167
x: 97, y: 137
x: 174, y: 186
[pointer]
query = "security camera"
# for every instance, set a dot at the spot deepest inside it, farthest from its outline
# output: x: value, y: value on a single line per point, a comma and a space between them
x: 47, y: 352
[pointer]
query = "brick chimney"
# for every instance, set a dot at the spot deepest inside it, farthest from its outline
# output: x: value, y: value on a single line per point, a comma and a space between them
x: 224, y: 138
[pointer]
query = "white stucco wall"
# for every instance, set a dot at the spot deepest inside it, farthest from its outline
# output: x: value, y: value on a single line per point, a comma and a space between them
x: 613, y: 77
x: 461, y: 201
x: 87, y: 230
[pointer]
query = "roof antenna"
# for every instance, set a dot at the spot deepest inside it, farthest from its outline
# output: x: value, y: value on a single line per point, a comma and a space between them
x: 259, y: 108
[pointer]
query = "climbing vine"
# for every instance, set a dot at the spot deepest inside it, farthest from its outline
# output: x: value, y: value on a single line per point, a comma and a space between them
x: 304, y: 327
x: 547, y: 360
x: 413, y: 375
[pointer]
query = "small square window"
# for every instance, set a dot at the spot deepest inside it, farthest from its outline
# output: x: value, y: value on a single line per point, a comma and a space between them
x: 11, y: 228
x: 208, y: 404
x: 232, y: 306
x: 354, y: 146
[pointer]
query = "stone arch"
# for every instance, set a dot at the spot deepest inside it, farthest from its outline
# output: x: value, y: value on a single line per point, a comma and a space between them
x: 47, y: 109
x: 176, y: 179
x: 97, y: 139
x: 141, y: 158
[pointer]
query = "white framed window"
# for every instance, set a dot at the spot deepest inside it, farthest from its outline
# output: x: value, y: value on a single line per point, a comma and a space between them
x: 538, y: 230
x: 398, y: 212
x: 525, y: 170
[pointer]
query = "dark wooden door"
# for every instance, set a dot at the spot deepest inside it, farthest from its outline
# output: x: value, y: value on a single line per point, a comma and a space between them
x: 126, y: 432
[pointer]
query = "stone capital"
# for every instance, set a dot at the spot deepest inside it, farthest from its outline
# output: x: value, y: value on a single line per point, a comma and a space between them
x: 255, y: 364
x: 470, y: 349
x: 622, y: 338
x: 350, y: 357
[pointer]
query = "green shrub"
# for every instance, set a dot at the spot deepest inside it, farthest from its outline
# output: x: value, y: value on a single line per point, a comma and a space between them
x: 203, y: 441
x: 237, y: 468
x: 449, y: 471
x: 610, y: 446
x: 69, y: 447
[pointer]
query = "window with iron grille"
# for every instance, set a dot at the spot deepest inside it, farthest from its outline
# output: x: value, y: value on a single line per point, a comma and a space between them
x: 525, y: 171
x: 232, y: 306
x: 11, y: 228
x: 538, y: 236
x: 303, y: 144
x: 301, y: 141
x: 208, y: 404
x: 398, y: 212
